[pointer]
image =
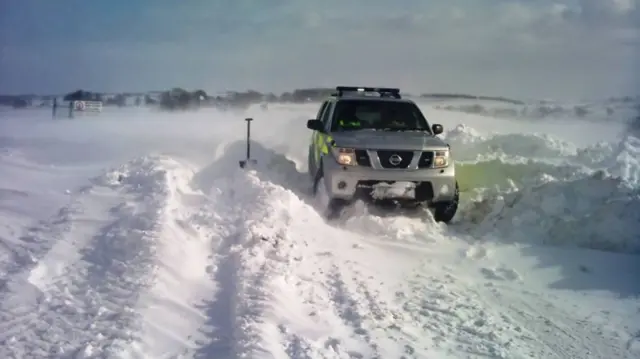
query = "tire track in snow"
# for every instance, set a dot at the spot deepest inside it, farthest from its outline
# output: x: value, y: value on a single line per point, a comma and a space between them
x: 39, y: 239
x: 19, y: 297
x: 351, y: 304
x: 366, y: 303
x: 286, y: 289
x: 454, y: 318
x: 350, y: 310
x: 555, y: 333
x: 271, y: 302
x: 283, y: 291
x: 220, y: 310
x: 170, y: 307
x: 240, y: 297
x: 87, y: 307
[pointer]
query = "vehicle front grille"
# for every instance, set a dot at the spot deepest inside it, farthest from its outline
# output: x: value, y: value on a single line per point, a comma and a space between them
x: 386, y: 155
x: 426, y: 160
x: 362, y: 158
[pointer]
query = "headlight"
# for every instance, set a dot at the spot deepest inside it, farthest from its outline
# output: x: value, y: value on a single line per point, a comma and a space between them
x: 344, y: 156
x: 441, y: 159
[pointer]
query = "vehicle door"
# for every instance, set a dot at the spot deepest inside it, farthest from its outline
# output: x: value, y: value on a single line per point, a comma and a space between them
x: 314, y: 140
x: 323, y: 139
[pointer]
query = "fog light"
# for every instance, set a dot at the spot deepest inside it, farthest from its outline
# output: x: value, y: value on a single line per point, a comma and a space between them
x: 444, y: 189
x: 342, y: 185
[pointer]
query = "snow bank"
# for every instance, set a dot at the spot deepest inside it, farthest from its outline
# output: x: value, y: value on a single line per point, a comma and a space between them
x: 89, y: 261
x: 597, y: 212
x: 468, y: 144
x: 277, y: 166
x: 93, y: 277
x: 516, y: 187
x: 159, y: 258
x: 534, y: 188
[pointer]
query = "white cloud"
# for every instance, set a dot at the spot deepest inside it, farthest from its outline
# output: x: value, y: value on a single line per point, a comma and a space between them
x: 523, y: 48
x: 520, y: 48
x: 612, y: 8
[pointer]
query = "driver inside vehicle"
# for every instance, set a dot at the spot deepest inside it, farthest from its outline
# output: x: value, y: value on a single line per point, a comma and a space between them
x: 348, y: 120
x: 397, y: 119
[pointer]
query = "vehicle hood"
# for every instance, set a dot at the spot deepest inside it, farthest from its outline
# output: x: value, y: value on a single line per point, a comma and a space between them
x: 387, y: 140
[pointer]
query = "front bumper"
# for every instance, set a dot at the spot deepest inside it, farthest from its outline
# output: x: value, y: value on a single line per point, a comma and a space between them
x: 354, y: 182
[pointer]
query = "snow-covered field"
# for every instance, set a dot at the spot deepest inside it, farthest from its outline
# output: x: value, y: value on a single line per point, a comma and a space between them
x: 135, y: 235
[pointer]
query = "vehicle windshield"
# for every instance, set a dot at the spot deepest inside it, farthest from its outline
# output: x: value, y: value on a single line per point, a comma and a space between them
x: 353, y: 115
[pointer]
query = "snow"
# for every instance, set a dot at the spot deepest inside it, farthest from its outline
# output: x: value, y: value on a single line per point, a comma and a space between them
x: 134, y: 234
x: 397, y: 189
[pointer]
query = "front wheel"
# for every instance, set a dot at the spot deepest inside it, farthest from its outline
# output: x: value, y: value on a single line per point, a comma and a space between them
x: 311, y: 166
x: 445, y: 211
x: 331, y: 207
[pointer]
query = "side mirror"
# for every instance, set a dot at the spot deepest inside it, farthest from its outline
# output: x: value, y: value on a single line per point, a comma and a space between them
x: 315, y: 125
x: 437, y: 128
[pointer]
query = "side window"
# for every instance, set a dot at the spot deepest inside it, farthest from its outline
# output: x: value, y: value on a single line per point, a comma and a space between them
x: 321, y: 110
x: 326, y: 117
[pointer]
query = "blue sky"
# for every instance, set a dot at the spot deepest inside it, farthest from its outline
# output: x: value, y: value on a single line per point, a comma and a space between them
x: 520, y: 48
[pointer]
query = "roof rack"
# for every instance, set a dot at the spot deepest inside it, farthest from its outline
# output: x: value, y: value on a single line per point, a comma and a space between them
x: 361, y: 90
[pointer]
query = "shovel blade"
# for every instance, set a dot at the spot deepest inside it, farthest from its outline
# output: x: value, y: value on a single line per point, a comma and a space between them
x: 243, y: 164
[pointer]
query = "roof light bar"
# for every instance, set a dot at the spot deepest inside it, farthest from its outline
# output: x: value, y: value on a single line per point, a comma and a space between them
x: 363, y: 90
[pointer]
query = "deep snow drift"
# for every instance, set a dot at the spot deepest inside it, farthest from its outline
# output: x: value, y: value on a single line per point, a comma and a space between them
x: 135, y: 235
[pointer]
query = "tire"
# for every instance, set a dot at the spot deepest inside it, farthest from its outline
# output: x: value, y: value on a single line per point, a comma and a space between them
x: 317, y: 179
x: 311, y: 165
x: 445, y: 211
x: 334, y: 206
